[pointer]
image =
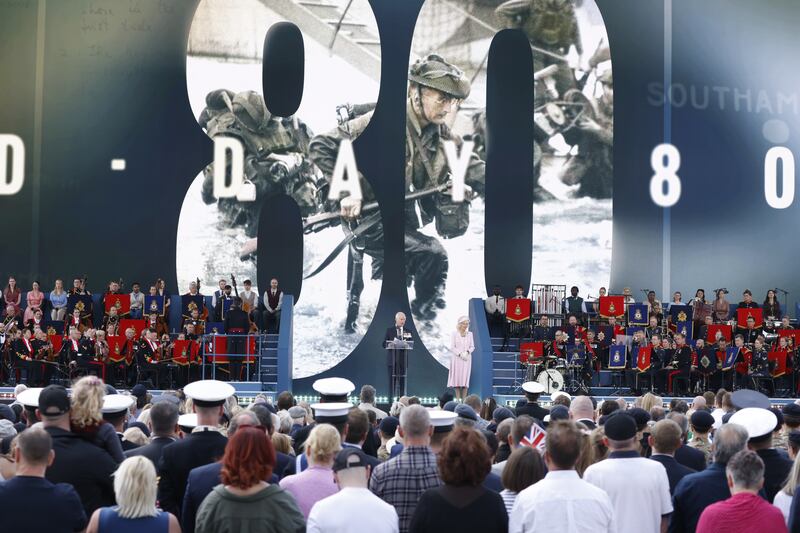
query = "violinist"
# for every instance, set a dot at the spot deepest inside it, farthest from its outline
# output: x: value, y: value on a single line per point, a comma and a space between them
x: 43, y: 349
x: 74, y: 320
x: 250, y: 303
x: 24, y: 356
x: 156, y: 323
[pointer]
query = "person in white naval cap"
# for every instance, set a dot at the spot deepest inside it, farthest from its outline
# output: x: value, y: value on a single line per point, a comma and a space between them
x: 204, y: 445
x: 760, y: 423
x: 532, y: 408
x: 187, y: 422
x: 330, y: 390
x: 115, y: 411
x: 334, y: 414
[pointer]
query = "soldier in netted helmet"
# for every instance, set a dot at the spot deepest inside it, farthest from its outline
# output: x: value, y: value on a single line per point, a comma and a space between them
x: 274, y: 162
x: 435, y: 91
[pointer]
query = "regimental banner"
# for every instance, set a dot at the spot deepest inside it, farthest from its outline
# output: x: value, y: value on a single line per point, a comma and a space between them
x: 686, y: 328
x: 57, y: 341
x: 725, y: 329
x: 730, y: 357
x: 612, y: 306
x: 83, y: 302
x: 617, y: 357
x: 530, y: 352
x: 182, y: 352
x: 780, y: 363
x: 190, y: 302
x: 121, y: 301
x: 115, y: 345
x: 742, y: 314
x: 637, y: 315
x: 793, y: 334
x: 680, y: 313
x: 518, y: 309
x: 154, y: 304
x: 137, y: 325
x: 53, y: 327
x: 705, y: 363
x: 643, y: 358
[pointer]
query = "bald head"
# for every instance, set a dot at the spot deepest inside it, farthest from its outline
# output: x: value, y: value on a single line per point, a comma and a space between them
x: 699, y: 402
x: 581, y: 407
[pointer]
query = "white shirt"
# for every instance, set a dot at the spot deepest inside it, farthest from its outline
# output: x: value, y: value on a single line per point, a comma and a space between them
x: 783, y: 502
x: 563, y: 503
x: 352, y: 510
x: 717, y: 414
x: 638, y: 488
x: 494, y: 304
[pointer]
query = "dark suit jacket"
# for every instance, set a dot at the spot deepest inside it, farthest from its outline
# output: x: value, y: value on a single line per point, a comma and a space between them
x: 776, y: 470
x: 179, y: 458
x: 694, y: 493
x: 675, y: 470
x: 691, y: 458
x: 532, y: 409
x: 152, y: 451
x: 200, y: 483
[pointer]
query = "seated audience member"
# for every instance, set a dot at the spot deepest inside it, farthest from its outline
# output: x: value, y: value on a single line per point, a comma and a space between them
x: 135, y: 487
x: 315, y: 482
x: 462, y: 503
x: 31, y: 502
x: 335, y: 513
x: 524, y: 468
x: 745, y: 510
x: 562, y: 501
x: 244, y: 501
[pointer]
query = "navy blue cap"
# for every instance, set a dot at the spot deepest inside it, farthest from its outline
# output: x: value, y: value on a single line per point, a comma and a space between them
x: 702, y: 420
x: 745, y: 398
x: 559, y: 412
x: 620, y: 426
x: 501, y: 413
x: 389, y: 425
x: 465, y: 411
x: 450, y: 406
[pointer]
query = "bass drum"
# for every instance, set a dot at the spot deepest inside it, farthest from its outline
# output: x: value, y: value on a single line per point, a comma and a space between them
x: 551, y: 380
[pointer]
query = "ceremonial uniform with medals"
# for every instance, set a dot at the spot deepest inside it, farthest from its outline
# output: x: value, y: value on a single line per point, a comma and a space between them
x: 760, y: 368
x: 147, y: 355
x: 750, y: 335
x: 23, y: 359
x: 204, y: 445
x: 681, y: 365
x: 77, y: 351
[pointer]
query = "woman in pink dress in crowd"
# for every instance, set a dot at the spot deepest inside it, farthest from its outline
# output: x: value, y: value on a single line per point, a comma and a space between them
x: 35, y: 298
x: 461, y: 348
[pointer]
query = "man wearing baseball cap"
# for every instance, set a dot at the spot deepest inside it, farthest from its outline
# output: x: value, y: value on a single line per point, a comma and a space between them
x: 638, y: 487
x: 337, y: 512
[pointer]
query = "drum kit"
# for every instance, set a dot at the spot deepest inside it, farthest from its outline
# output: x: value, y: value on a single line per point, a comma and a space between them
x: 553, y: 373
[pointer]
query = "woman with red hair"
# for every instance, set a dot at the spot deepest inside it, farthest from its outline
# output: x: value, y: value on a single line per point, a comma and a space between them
x: 244, y: 501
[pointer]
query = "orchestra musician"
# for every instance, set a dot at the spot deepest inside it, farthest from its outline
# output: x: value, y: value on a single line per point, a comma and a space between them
x: 237, y: 324
x: 742, y: 361
x: 43, y: 349
x: 681, y: 362
x: 771, y: 307
x: 654, y: 329
x: 161, y: 290
x: 747, y: 301
x: 701, y: 310
x: 541, y: 332
x: 24, y: 356
x: 77, y: 352
x: 37, y: 320
x: 657, y: 377
x: 194, y: 319
x: 704, y: 363
x: 111, y: 318
x: 74, y: 320
x: 219, y: 306
x: 593, y: 350
x: 751, y: 332
x: 761, y: 367
x: 250, y: 303
x: 654, y: 306
x: 147, y: 356
x: 157, y: 323
x: 128, y: 355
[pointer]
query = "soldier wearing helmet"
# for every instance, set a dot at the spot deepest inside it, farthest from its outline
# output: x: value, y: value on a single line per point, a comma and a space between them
x: 435, y: 91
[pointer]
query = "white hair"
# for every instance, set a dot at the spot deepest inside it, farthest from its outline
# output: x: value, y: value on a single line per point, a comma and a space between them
x: 399, y: 314
x: 135, y: 486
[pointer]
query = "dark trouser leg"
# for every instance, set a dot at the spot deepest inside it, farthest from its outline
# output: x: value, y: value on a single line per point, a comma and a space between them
x: 426, y: 264
x: 236, y: 348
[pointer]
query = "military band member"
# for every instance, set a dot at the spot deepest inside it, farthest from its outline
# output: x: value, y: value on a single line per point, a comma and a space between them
x: 24, y: 358
x: 657, y: 363
x: 541, y: 332
x: 751, y: 332
x: 654, y: 306
x: 654, y: 329
x: 43, y: 351
x: 681, y: 362
x: 761, y: 367
x: 617, y: 329
x: 593, y: 350
x: 704, y: 363
x: 74, y: 320
x: 147, y: 357
x: 219, y: 304
x: 742, y: 361
x: 77, y: 352
x: 747, y: 301
x: 559, y: 346
x: 603, y: 347
x: 196, y: 321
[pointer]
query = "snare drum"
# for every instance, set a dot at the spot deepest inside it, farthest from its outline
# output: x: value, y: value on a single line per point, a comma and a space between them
x: 560, y: 365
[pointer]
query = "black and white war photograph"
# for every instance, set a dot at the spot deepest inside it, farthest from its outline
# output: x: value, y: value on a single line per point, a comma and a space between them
x: 444, y: 241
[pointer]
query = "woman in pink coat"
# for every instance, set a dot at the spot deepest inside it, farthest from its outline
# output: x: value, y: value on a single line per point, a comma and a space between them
x: 461, y: 348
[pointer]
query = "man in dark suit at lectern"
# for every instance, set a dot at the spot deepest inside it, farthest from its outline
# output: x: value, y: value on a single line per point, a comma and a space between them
x: 396, y: 359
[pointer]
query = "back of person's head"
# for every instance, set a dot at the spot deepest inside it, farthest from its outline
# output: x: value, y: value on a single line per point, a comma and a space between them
x: 244, y: 419
x: 367, y: 394
x: 746, y: 470
x: 649, y: 401
x: 728, y: 441
x: 323, y: 443
x: 608, y: 407
x: 357, y: 426
x: 464, y: 458
x: 34, y: 445
x: 520, y: 428
x: 264, y: 416
x: 563, y: 444
x: 163, y: 418
x: 562, y: 399
x: 681, y: 419
x: 86, y: 401
x: 135, y: 435
x: 284, y: 401
x: 414, y: 400
x: 249, y: 458
x: 680, y: 407
x: 282, y: 443
x: 524, y: 468
x: 504, y: 430
x: 447, y: 396
x: 666, y: 435
x: 488, y: 407
x: 718, y: 397
x: 581, y: 407
x: 135, y: 486
x: 727, y: 402
x: 657, y: 413
x: 710, y: 398
x: 474, y: 401
x: 415, y: 422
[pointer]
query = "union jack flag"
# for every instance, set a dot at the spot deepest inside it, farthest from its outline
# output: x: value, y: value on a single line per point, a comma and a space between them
x: 534, y: 439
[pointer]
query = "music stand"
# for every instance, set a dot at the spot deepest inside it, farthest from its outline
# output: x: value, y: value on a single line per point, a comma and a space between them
x: 398, y: 353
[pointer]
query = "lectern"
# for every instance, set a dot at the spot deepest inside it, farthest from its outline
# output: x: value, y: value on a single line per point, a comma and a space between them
x: 397, y: 351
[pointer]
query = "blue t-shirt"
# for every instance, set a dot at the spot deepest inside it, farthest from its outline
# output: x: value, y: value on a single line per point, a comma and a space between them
x: 37, y: 505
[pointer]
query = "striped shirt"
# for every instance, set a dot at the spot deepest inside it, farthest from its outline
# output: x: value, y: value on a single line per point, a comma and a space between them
x: 401, y: 481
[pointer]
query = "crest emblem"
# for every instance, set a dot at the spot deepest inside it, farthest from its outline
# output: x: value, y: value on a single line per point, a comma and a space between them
x: 682, y: 316
x: 705, y: 361
x: 611, y: 308
x: 517, y: 310
x: 637, y: 315
x: 154, y: 306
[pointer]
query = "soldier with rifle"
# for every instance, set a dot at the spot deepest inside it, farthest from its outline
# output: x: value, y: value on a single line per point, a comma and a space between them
x: 436, y: 89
